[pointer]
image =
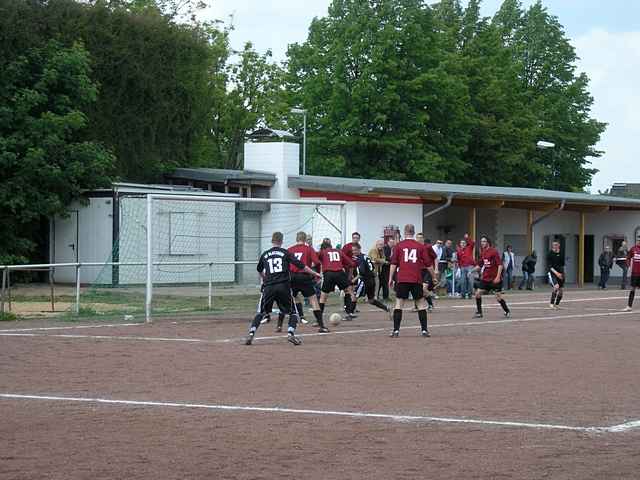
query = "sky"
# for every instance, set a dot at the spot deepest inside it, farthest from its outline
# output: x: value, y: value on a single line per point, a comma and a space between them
x: 606, y: 35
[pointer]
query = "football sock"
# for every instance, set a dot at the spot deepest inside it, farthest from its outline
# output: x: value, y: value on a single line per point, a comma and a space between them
x: 318, y: 315
x: 380, y: 305
x: 280, y: 319
x: 256, y: 322
x: 558, y: 298
x: 479, y: 304
x: 503, y: 304
x: 322, y: 307
x: 632, y: 295
x: 553, y: 297
x: 422, y: 316
x: 348, y: 303
x: 430, y: 301
x: 397, y: 318
x: 293, y: 323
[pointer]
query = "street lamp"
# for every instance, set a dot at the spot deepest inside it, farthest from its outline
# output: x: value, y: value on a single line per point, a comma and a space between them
x: 303, y: 112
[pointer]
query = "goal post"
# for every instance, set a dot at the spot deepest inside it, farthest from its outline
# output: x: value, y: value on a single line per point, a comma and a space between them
x: 225, y: 235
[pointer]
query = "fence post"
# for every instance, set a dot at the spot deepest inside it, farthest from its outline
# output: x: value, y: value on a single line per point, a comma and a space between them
x: 77, y: 306
x: 53, y: 296
x: 9, y: 287
x: 4, y: 286
x: 210, y: 303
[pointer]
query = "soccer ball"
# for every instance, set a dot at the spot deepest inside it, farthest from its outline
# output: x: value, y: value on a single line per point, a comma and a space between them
x: 335, y: 319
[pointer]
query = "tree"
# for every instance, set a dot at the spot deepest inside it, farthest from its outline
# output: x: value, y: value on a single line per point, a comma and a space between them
x: 250, y: 94
x: 45, y: 163
x: 381, y: 101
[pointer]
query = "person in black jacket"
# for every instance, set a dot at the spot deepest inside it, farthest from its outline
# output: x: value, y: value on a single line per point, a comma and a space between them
x: 528, y: 271
x: 605, y: 262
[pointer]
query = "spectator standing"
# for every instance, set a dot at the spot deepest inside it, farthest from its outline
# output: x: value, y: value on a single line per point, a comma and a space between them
x: 528, y: 271
x: 467, y: 264
x: 605, y: 262
x: 377, y: 256
x: 621, y: 261
x: 508, y: 264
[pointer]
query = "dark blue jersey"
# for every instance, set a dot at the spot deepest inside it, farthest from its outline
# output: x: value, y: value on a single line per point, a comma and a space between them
x: 365, y: 266
x: 274, y: 264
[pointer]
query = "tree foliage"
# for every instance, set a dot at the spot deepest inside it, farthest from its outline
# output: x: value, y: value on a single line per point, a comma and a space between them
x: 45, y: 162
x: 436, y: 93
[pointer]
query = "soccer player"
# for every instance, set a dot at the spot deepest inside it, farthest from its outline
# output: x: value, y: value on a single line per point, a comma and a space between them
x: 273, y: 267
x: 408, y: 260
x: 555, y: 263
x: 303, y: 283
x: 491, y: 276
x: 335, y: 265
x: 348, y: 248
x: 428, y: 272
x: 633, y: 260
x: 365, y: 281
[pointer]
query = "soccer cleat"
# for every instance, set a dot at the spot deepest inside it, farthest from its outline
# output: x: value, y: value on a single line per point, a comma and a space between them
x: 279, y: 329
x: 303, y: 320
x: 323, y: 330
x: 395, y: 334
x: 425, y: 333
x: 249, y: 339
x: 628, y: 309
x: 265, y: 319
x: 430, y: 308
x: 507, y: 314
x: 477, y: 315
x: 350, y: 317
x: 291, y: 338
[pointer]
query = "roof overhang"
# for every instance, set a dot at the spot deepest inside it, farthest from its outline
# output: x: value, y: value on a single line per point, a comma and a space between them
x: 354, y: 189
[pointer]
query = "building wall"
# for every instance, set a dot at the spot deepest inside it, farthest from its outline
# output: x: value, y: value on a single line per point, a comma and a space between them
x: 372, y: 218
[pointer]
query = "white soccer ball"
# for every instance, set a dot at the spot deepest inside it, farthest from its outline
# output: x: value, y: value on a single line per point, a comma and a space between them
x: 335, y: 319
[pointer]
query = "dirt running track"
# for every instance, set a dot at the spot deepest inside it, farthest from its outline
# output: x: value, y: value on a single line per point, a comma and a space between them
x: 537, y: 396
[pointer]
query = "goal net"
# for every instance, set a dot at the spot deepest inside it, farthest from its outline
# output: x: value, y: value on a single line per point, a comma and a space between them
x: 178, y: 254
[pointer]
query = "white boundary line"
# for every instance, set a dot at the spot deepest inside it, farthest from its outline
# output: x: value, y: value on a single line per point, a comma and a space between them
x: 338, y: 332
x: 441, y: 308
x: 367, y: 415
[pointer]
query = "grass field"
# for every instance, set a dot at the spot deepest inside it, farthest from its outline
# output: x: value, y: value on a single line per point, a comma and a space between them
x: 544, y: 394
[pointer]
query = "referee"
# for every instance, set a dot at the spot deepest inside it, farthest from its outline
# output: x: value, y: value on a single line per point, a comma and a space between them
x: 273, y: 267
x: 556, y: 264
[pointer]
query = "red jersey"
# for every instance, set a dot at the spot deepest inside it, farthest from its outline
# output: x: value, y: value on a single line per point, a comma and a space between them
x: 334, y: 260
x: 431, y: 256
x: 305, y: 254
x: 411, y: 258
x: 633, y: 259
x: 465, y: 255
x: 490, y: 261
x: 348, y: 249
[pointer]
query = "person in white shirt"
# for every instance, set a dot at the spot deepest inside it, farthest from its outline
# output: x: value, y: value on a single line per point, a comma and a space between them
x: 508, y: 265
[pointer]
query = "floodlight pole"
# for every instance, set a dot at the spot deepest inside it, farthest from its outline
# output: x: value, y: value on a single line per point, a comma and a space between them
x: 303, y: 112
x: 149, y: 289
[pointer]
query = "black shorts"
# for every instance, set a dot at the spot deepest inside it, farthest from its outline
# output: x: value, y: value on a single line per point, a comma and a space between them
x: 554, y: 280
x: 279, y: 293
x: 635, y: 281
x: 331, y: 280
x: 366, y: 287
x: 488, y: 286
x: 302, y: 283
x: 404, y: 289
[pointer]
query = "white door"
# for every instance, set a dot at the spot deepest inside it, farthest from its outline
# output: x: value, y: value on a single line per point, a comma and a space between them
x: 66, y: 246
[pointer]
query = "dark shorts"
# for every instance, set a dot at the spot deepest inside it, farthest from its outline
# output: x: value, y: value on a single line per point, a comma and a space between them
x: 488, y: 286
x: 366, y: 287
x: 279, y: 293
x: 554, y: 280
x: 404, y: 289
x: 331, y: 280
x: 302, y: 283
x: 635, y: 281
